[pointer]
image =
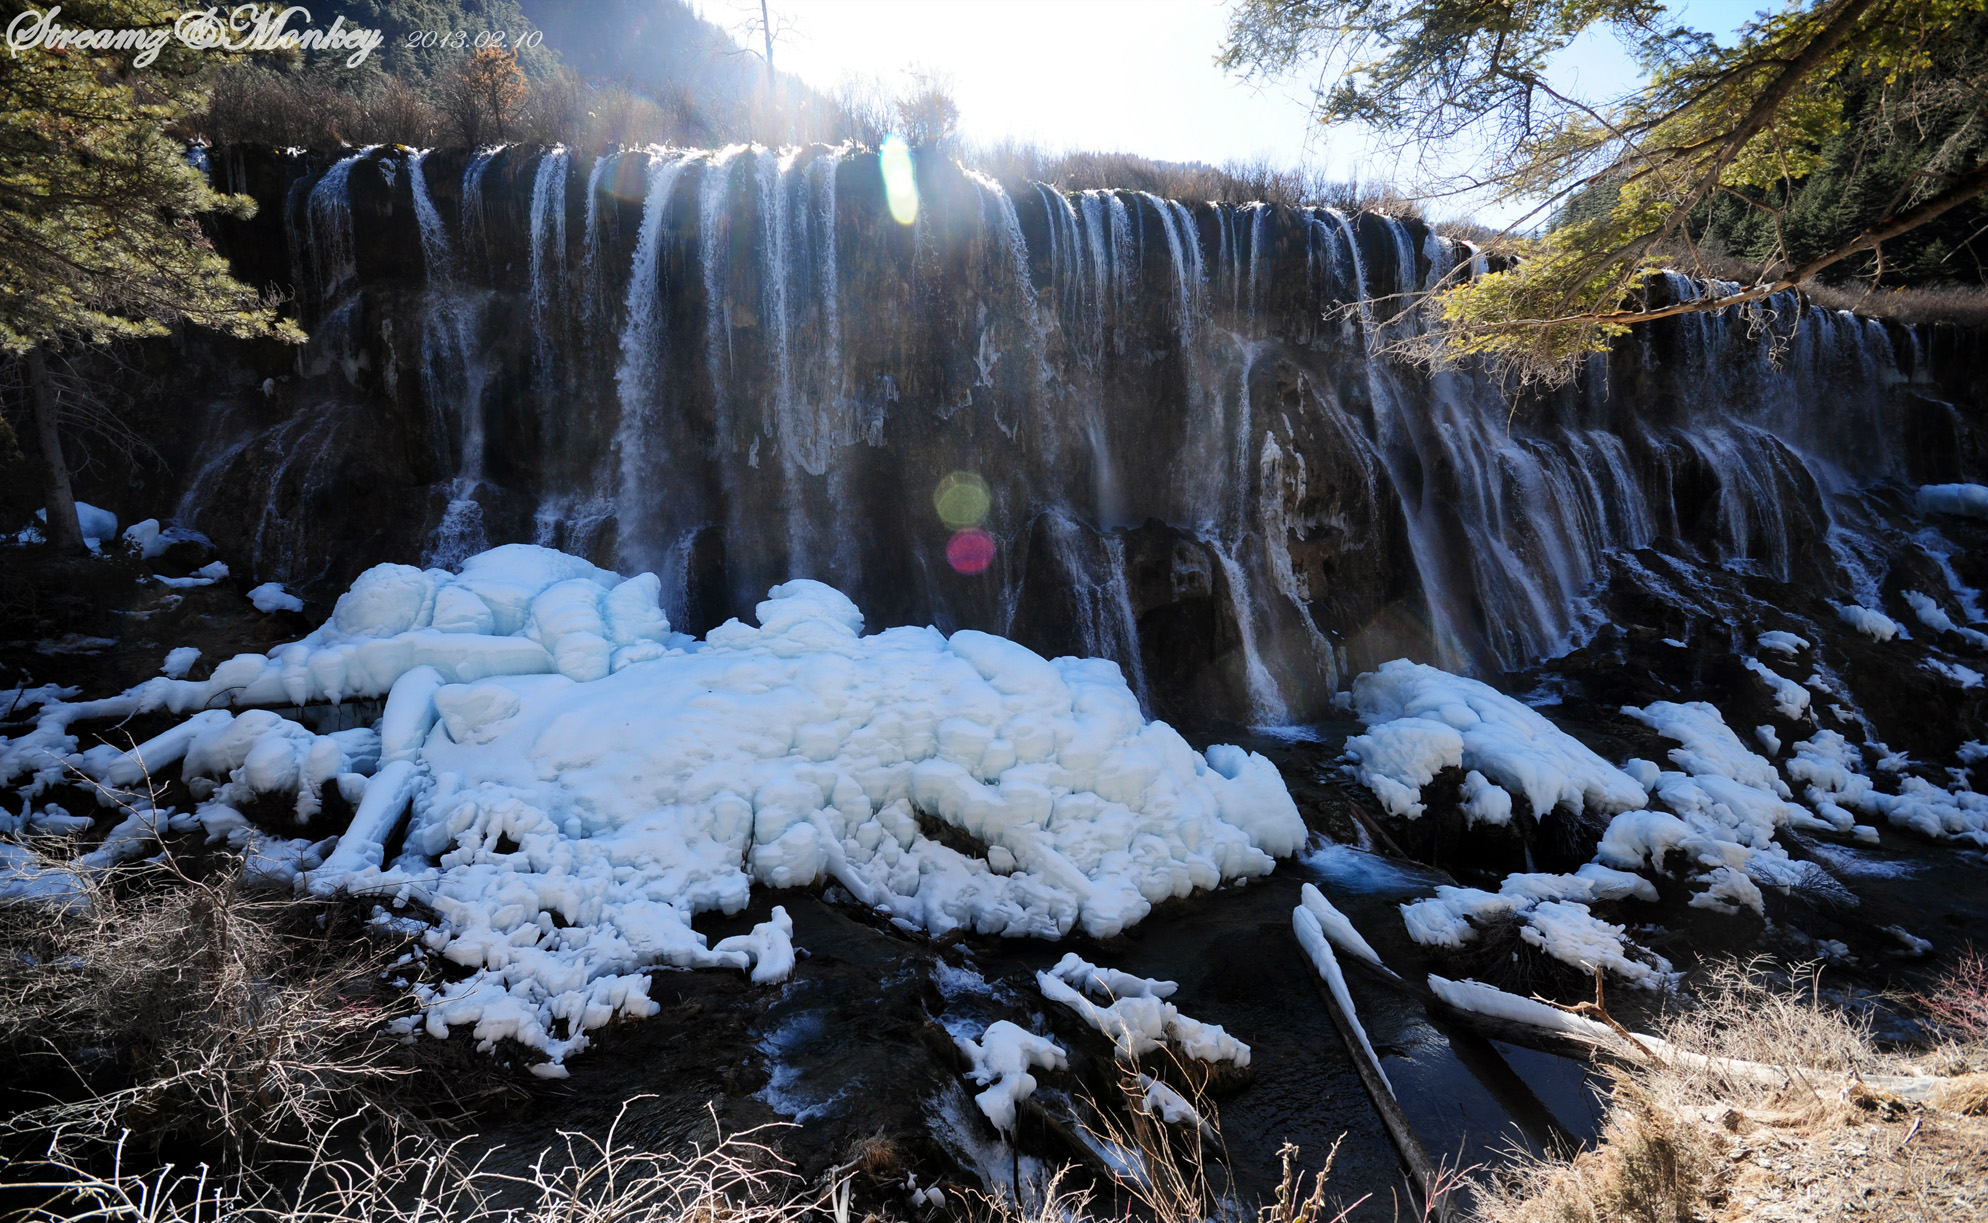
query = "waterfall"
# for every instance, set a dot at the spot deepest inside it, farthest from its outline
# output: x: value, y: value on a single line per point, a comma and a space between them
x: 595, y: 308
x: 548, y: 258
x: 329, y: 213
x: 452, y: 364
x: 713, y: 236
x: 638, y: 380
x: 1210, y: 444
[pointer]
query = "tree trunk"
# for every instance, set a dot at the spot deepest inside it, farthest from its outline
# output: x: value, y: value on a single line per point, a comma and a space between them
x: 64, y: 531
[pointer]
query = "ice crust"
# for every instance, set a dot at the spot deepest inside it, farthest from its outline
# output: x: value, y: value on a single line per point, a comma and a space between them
x: 576, y: 780
x: 1001, y: 1060
x: 1873, y: 624
x: 1970, y: 500
x: 1422, y: 720
x: 1139, y: 1022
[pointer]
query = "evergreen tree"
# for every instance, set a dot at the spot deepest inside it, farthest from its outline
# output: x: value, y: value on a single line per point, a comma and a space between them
x: 1738, y: 124
x: 99, y: 213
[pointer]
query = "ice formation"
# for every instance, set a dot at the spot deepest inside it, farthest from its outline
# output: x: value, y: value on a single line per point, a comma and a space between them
x: 271, y: 597
x: 1078, y: 973
x: 1422, y: 720
x: 1553, y: 915
x: 1001, y: 1060
x: 1791, y: 700
x: 575, y: 780
x: 1968, y: 499
x: 1934, y: 617
x: 1334, y: 925
x: 1312, y: 937
x: 1167, y: 1104
x: 1782, y: 642
x: 1481, y: 999
x: 1139, y: 1020
x: 1873, y: 624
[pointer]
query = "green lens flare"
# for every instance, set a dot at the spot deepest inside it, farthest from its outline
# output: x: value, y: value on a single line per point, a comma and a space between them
x: 900, y: 187
x: 962, y: 500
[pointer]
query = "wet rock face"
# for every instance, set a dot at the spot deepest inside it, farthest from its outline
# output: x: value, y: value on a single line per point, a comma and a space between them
x: 735, y: 367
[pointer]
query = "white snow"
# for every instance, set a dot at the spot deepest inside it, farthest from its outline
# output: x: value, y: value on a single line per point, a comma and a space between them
x: 98, y: 524
x: 554, y: 748
x: 1553, y: 916
x: 1781, y: 642
x: 1934, y: 617
x: 1441, y: 920
x: 1707, y: 746
x: 206, y: 575
x: 146, y: 537
x: 271, y: 597
x: 1873, y: 624
x: 769, y: 948
x: 1791, y: 700
x: 1768, y: 739
x: 1167, y: 1104
x: 1334, y: 925
x: 1422, y: 720
x: 179, y: 660
x: 1108, y: 983
x: 1965, y: 677
x: 1002, y: 1059
x: 1568, y: 932
x: 1138, y: 1025
x: 1311, y: 936
x: 1481, y: 999
x: 1967, y: 499
x: 1484, y: 803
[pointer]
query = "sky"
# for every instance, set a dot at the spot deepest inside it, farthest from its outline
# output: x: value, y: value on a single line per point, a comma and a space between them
x: 1132, y: 76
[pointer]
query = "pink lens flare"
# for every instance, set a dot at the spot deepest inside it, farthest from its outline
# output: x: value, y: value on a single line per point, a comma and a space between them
x: 970, y: 551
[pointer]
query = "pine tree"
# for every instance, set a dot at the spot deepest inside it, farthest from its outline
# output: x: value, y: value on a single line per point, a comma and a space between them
x: 1708, y: 121
x: 99, y: 214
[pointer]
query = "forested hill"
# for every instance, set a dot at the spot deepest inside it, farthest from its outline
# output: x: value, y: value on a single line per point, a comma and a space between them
x: 1891, y: 143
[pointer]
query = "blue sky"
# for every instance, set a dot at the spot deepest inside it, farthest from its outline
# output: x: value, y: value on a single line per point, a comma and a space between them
x: 1128, y: 75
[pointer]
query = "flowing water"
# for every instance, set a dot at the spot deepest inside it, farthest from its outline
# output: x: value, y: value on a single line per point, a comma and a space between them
x: 754, y: 374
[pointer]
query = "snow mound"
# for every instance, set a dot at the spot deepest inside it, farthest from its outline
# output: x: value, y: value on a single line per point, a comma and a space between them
x: 1001, y: 1060
x: 1782, y: 642
x: 270, y: 597
x: 1422, y: 720
x: 1934, y: 617
x: 576, y: 781
x: 1873, y: 624
x: 1970, y: 500
x: 1138, y: 1025
x: 98, y: 524
x: 1078, y: 973
x: 1791, y: 700
x: 1553, y: 916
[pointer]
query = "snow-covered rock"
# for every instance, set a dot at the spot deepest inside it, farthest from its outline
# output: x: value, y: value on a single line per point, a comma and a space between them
x: 1970, y: 500
x: 577, y: 781
x: 1422, y: 720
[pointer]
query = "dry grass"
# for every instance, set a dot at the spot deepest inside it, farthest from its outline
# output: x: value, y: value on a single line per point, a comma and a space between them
x: 190, y: 1010
x: 1691, y: 1139
x: 736, y: 1179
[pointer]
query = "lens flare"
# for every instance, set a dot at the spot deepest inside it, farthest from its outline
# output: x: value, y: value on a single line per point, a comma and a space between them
x: 970, y: 551
x: 962, y: 500
x: 900, y: 186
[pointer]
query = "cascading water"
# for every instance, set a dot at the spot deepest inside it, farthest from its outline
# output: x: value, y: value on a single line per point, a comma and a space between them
x: 548, y: 261
x: 453, y: 368
x: 641, y: 504
x: 1200, y: 401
